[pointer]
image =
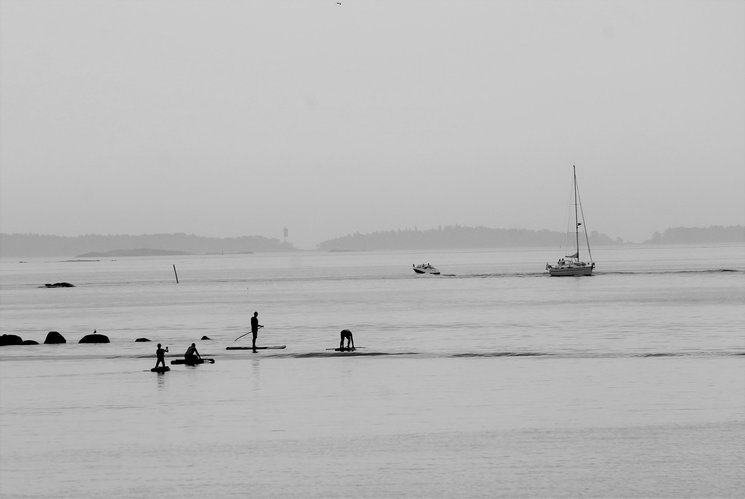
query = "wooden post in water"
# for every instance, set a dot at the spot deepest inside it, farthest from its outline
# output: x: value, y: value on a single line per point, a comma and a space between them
x: 175, y: 273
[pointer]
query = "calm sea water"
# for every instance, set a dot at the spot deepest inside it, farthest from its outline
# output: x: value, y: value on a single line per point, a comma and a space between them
x: 492, y: 380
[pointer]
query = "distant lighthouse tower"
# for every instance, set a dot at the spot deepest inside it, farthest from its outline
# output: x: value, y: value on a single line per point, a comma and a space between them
x: 285, y: 234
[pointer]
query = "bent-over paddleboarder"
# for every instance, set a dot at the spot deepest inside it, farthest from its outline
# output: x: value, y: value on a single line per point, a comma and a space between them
x: 346, y: 334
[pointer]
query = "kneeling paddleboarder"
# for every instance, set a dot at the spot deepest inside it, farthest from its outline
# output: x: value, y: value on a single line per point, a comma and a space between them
x: 191, y: 355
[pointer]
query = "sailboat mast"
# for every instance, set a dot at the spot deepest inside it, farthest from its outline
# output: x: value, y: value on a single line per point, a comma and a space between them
x: 576, y: 224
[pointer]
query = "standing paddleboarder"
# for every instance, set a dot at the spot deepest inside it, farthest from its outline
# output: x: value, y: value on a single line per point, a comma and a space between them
x: 160, y: 353
x: 255, y: 329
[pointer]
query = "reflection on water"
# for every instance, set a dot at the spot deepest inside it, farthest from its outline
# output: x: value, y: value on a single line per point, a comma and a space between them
x: 161, y: 377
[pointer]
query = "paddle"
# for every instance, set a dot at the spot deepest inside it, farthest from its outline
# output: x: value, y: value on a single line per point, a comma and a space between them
x: 244, y: 334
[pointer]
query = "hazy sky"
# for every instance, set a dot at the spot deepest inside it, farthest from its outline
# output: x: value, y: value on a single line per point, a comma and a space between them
x: 226, y: 118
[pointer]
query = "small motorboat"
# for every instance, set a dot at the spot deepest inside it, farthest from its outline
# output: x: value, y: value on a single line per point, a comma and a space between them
x: 425, y: 268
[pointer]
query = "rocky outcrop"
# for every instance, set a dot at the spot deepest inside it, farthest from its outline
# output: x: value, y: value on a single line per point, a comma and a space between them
x: 53, y: 337
x: 59, y: 285
x: 30, y: 342
x: 141, y: 340
x: 94, y: 338
x: 10, y: 339
x: 206, y: 338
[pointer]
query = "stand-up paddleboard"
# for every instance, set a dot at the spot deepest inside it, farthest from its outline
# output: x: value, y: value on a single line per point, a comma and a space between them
x: 193, y: 362
x: 345, y: 349
x: 274, y: 347
x: 160, y: 369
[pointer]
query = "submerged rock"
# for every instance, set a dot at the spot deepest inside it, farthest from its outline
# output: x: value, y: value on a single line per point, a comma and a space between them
x: 94, y: 338
x: 206, y: 338
x: 30, y: 342
x: 10, y: 339
x: 53, y: 337
x: 141, y: 340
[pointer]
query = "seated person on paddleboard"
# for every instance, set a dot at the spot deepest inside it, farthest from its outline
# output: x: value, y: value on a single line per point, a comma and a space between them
x: 346, y: 334
x: 160, y: 353
x: 255, y: 329
x: 191, y: 354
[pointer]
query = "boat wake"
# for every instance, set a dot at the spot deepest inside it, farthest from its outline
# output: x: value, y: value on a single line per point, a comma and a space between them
x: 601, y: 273
x: 672, y: 271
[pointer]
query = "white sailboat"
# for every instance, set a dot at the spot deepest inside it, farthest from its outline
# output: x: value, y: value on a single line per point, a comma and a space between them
x: 572, y: 265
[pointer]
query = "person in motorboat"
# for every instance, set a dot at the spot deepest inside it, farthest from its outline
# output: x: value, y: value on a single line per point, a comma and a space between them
x: 192, y: 356
x: 160, y: 353
x: 346, y: 334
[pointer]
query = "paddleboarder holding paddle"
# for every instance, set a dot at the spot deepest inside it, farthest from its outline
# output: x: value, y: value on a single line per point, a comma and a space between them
x: 255, y: 329
x: 160, y: 353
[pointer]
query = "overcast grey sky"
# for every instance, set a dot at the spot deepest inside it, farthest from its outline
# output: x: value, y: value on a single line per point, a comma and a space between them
x: 226, y: 118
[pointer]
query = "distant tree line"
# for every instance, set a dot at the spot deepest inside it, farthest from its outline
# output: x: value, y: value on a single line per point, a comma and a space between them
x: 692, y: 235
x: 35, y: 245
x: 453, y: 237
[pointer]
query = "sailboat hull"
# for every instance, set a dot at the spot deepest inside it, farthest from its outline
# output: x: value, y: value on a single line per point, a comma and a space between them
x: 570, y: 271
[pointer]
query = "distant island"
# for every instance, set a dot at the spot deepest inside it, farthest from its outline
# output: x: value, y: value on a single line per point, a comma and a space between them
x: 457, y: 237
x: 132, y: 252
x: 694, y: 235
x: 96, y: 246
x: 451, y: 237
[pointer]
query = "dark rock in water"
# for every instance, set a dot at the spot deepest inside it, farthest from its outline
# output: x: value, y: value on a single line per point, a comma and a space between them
x: 59, y: 285
x: 30, y: 342
x: 141, y: 340
x: 206, y: 338
x: 10, y: 339
x: 53, y: 337
x: 94, y: 338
